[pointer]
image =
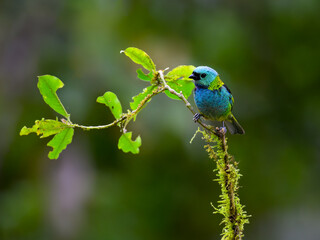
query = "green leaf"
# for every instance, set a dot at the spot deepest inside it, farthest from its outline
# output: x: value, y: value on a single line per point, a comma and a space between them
x: 183, y: 71
x: 140, y: 57
x: 48, y: 85
x: 178, y: 79
x: 45, y: 127
x: 143, y: 76
x: 111, y: 100
x: 59, y: 142
x: 138, y: 99
x: 184, y: 86
x: 127, y: 145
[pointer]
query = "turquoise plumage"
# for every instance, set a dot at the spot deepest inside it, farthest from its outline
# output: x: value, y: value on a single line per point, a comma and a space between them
x: 214, y: 99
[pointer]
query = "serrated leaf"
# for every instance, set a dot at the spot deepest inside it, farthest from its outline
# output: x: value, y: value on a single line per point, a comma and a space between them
x: 59, y: 142
x: 145, y: 77
x: 183, y: 72
x: 44, y: 128
x: 138, y: 98
x: 140, y: 57
x: 127, y: 145
x: 111, y: 100
x: 48, y: 86
x: 184, y: 86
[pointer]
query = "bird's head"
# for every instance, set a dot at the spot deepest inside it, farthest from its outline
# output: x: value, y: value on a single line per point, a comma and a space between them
x: 203, y: 76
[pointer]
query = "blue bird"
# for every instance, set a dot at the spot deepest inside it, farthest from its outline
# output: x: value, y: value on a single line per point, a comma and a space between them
x: 214, y: 99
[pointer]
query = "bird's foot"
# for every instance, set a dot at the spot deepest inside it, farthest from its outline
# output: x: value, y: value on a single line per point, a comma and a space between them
x: 223, y: 130
x: 196, y: 117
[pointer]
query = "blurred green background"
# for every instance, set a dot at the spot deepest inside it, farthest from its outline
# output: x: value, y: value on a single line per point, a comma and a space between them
x: 266, y: 51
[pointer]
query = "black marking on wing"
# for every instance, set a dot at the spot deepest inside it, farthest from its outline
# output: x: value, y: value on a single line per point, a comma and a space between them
x: 230, y: 97
x: 224, y: 85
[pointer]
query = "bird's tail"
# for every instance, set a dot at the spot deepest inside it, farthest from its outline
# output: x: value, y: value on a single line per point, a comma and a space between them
x: 233, y: 125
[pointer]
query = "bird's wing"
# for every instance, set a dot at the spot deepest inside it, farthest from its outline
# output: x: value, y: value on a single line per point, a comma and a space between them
x: 231, y: 100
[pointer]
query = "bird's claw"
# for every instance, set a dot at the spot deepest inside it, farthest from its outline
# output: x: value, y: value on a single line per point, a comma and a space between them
x: 223, y: 130
x: 196, y: 117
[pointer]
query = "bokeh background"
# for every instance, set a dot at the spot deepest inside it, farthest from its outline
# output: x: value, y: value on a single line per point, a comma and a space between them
x: 266, y: 51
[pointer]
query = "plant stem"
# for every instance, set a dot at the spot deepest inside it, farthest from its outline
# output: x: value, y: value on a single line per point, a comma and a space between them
x: 228, y: 177
x: 125, y: 117
x: 115, y: 122
x: 230, y: 187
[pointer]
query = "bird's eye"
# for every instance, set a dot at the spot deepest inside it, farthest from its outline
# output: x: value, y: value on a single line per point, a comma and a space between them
x: 203, y: 75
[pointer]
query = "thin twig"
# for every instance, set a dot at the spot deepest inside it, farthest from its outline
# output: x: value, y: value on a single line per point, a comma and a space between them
x: 124, y: 117
x: 115, y: 122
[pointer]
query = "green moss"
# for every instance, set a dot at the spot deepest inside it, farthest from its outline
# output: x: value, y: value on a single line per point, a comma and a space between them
x: 227, y: 175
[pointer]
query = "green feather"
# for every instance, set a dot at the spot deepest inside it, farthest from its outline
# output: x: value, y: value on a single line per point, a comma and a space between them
x: 216, y: 84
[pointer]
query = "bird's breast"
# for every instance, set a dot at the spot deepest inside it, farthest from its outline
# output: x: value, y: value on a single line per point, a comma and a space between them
x: 214, y: 105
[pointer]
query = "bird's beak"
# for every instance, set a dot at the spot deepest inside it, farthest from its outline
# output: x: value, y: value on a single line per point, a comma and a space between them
x: 194, y: 76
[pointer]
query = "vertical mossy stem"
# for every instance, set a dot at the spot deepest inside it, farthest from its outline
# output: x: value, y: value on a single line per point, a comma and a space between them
x: 230, y: 187
x: 228, y: 177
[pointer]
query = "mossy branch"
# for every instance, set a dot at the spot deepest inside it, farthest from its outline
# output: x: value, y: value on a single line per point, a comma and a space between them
x: 228, y: 177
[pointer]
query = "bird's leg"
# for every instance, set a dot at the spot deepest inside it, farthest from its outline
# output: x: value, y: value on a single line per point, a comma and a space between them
x: 223, y: 128
x: 196, y: 117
